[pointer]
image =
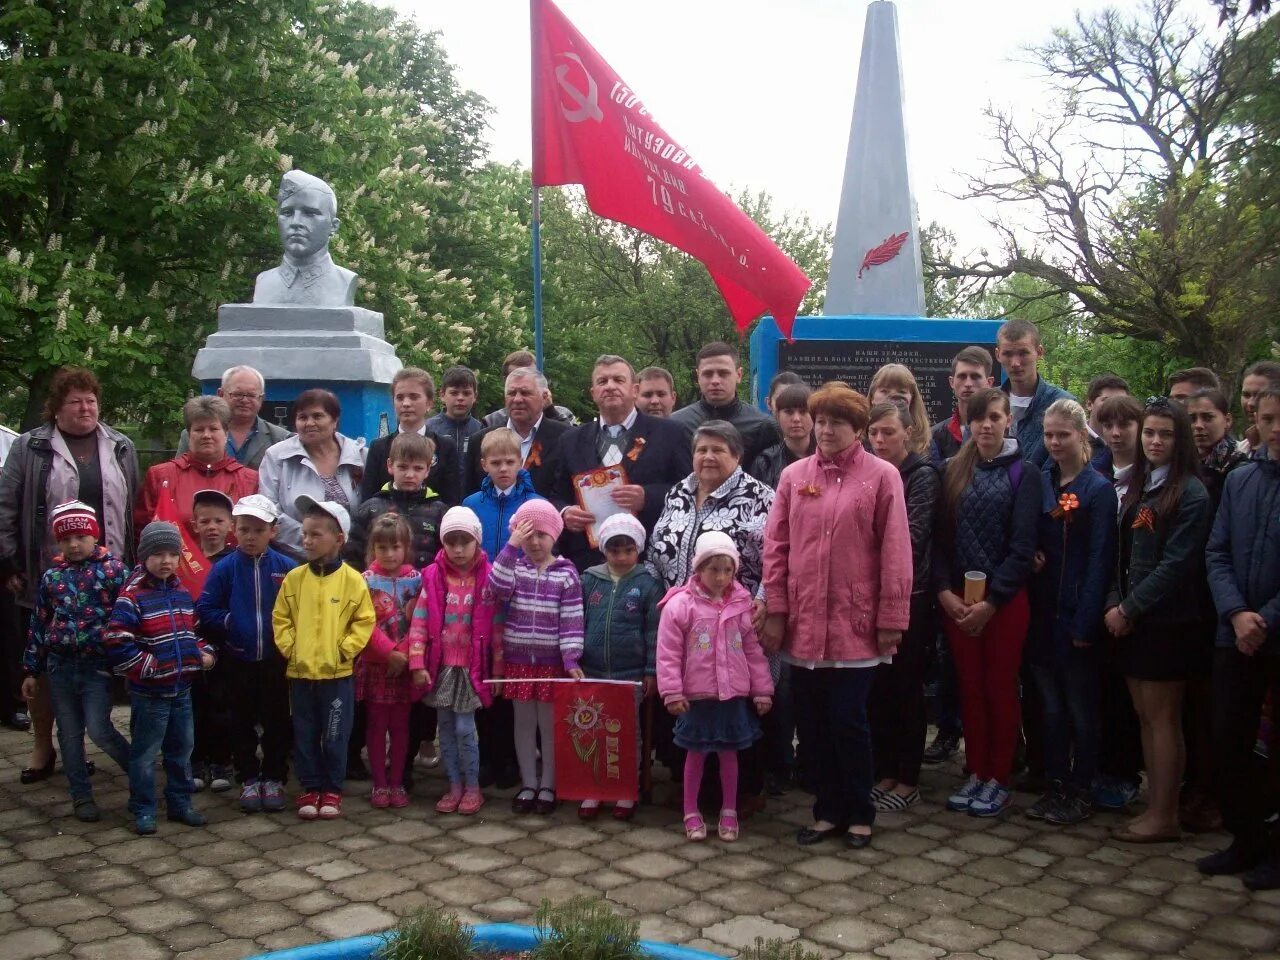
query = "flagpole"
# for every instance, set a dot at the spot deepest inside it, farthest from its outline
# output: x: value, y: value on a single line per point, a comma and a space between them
x: 536, y: 218
x: 537, y: 279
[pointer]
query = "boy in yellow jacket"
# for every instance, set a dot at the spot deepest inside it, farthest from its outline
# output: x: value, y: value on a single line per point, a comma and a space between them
x: 323, y: 617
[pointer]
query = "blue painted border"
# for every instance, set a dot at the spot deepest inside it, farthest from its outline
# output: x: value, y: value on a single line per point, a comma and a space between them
x: 765, y: 338
x: 499, y: 936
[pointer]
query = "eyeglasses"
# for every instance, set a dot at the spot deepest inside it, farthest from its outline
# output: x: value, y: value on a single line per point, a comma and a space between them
x: 239, y: 395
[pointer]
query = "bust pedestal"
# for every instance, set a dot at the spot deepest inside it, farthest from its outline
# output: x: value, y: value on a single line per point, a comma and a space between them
x: 297, y: 348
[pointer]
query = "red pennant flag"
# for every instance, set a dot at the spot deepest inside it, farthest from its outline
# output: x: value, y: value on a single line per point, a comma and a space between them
x: 193, y: 568
x: 590, y: 128
x: 595, y: 741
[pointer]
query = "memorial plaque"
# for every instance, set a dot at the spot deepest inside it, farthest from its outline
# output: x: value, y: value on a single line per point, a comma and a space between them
x: 856, y: 361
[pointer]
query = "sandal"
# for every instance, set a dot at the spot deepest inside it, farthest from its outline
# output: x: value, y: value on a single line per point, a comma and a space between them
x: 546, y: 802
x: 695, y: 828
x: 728, y: 827
x: 523, y: 801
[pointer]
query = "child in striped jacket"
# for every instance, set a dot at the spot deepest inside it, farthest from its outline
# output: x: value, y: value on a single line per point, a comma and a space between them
x: 541, y: 640
x: 152, y: 640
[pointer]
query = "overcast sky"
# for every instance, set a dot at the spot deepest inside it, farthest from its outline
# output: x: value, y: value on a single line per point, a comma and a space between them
x: 760, y: 92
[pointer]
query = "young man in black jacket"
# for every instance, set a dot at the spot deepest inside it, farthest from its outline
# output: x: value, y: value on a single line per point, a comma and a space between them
x: 718, y: 378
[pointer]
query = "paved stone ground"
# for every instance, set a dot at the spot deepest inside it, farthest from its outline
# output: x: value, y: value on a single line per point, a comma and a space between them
x: 934, y: 884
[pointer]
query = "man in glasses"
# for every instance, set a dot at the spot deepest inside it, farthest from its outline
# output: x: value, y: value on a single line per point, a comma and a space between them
x: 249, y: 435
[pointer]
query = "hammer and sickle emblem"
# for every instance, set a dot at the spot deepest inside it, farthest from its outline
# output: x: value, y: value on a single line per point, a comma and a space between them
x: 588, y: 104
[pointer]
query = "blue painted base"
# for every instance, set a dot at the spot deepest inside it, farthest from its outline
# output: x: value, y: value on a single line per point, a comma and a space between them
x: 852, y: 348
x: 366, y: 407
x: 492, y: 936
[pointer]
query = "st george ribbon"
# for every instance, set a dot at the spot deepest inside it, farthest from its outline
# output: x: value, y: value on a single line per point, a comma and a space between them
x: 590, y: 128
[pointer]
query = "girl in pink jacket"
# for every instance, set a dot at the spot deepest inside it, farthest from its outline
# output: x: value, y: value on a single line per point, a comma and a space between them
x: 449, y: 645
x: 709, y: 663
x: 383, y: 683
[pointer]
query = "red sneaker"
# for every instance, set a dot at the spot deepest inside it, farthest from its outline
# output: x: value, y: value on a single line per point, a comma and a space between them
x: 330, y: 806
x: 308, y: 805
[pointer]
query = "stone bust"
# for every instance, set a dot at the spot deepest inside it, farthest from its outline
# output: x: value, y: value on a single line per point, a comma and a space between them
x: 307, y: 212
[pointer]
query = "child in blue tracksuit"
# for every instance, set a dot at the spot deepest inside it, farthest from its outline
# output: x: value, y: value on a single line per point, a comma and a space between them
x: 235, y: 611
x: 73, y: 604
x: 152, y: 640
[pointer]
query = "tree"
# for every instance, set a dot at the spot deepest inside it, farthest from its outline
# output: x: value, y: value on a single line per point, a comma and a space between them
x: 1133, y: 189
x: 139, y: 154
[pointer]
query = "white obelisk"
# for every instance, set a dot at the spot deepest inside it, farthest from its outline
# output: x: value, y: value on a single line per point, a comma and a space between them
x: 875, y: 269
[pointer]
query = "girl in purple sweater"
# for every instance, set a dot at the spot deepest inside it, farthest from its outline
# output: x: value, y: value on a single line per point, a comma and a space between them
x: 541, y: 640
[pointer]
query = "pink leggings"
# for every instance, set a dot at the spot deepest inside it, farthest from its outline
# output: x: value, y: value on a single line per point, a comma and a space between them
x: 694, y: 762
x: 384, y: 718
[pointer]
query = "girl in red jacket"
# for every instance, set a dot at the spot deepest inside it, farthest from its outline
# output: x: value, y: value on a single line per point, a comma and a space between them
x: 709, y: 663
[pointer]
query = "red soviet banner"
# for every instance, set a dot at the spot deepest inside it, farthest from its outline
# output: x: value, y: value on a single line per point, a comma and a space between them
x: 193, y: 567
x: 590, y: 128
x: 595, y: 741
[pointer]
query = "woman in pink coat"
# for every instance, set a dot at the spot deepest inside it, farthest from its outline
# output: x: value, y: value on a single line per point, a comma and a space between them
x: 837, y: 580
x: 709, y: 664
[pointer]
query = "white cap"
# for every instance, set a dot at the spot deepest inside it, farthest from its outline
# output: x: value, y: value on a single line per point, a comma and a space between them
x: 336, y: 510
x: 256, y: 505
x: 621, y: 525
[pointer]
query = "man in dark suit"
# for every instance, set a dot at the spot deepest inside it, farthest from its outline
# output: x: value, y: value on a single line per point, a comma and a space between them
x: 655, y: 454
x: 539, y: 434
x: 413, y: 392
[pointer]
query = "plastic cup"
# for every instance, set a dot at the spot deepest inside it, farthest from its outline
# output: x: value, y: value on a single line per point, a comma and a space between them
x: 975, y: 586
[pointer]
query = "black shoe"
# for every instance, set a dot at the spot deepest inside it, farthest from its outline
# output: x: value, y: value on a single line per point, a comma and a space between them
x: 1265, y: 876
x: 1234, y: 859
x: 524, y: 801
x: 188, y: 816
x: 776, y: 786
x: 942, y: 749
x: 808, y: 836
x: 507, y: 777
x: 19, y: 720
x: 857, y: 841
x: 86, y: 810
x: 36, y: 774
x: 356, y: 770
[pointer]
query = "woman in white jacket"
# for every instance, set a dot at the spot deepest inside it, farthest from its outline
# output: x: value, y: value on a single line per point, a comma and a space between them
x: 318, y: 462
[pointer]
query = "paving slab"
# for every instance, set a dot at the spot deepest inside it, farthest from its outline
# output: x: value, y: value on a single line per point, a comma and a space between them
x: 932, y: 885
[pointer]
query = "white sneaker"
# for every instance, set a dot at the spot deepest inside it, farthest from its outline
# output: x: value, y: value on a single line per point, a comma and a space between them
x: 991, y: 801
x: 961, y: 800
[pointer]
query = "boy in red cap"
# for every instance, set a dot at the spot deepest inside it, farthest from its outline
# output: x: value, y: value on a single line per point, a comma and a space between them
x: 73, y: 605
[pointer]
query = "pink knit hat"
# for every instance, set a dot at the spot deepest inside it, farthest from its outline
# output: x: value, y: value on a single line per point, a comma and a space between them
x: 545, y: 517
x: 713, y: 543
x: 461, y: 520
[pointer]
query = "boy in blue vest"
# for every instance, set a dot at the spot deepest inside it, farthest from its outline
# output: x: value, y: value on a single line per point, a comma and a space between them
x: 235, y: 611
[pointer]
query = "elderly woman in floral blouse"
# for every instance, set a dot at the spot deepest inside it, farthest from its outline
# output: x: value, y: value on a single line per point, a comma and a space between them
x: 718, y: 495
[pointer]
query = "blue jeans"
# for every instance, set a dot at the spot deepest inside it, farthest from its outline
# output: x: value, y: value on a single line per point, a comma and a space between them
x: 831, y: 714
x: 160, y: 725
x: 323, y: 712
x: 1070, y: 703
x: 459, y: 747
x: 81, y: 692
